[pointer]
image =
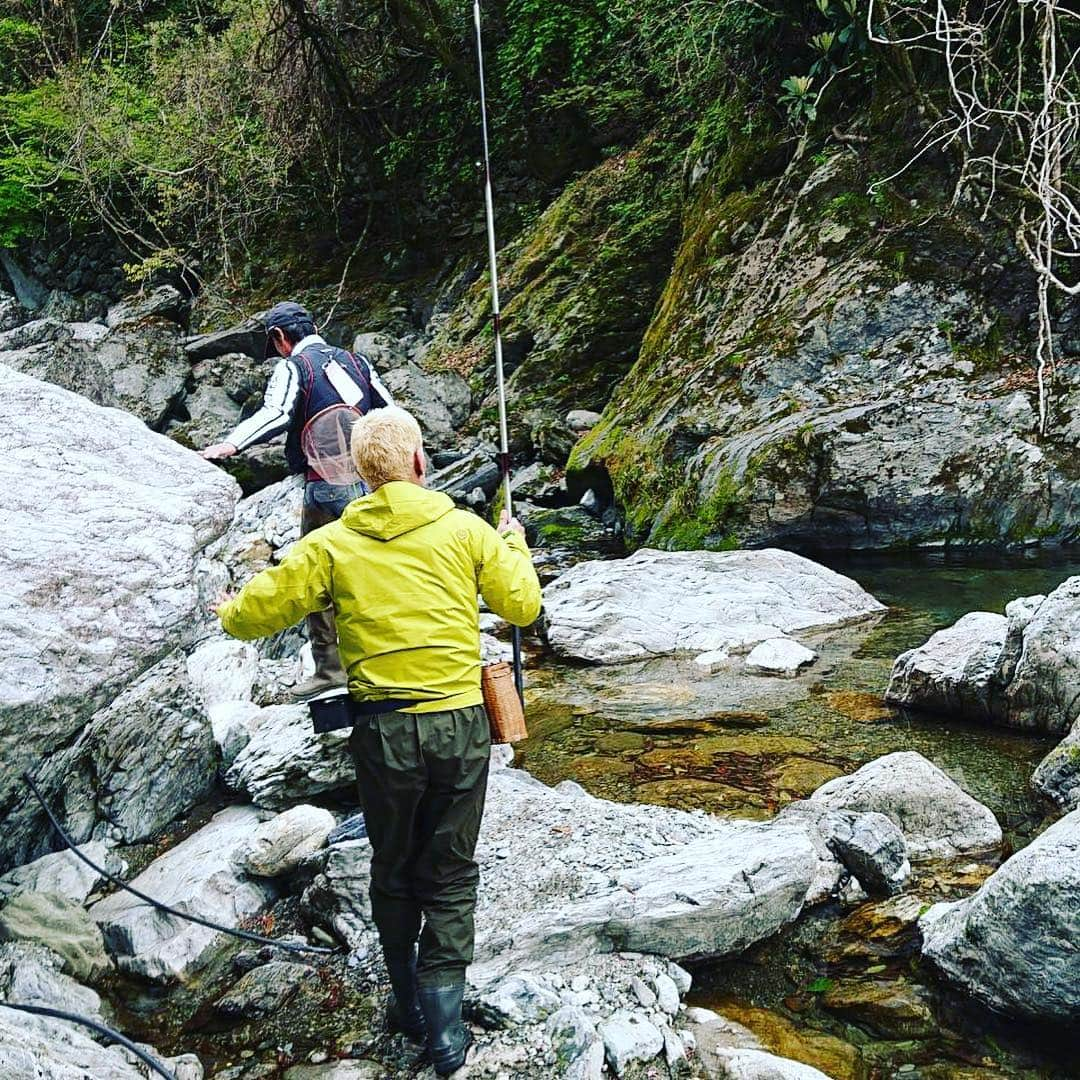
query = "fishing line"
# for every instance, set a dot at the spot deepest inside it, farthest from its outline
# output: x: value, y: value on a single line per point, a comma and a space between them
x: 243, y: 935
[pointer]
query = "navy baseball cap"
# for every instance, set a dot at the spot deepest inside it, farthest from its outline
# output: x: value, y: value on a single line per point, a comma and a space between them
x: 281, y: 315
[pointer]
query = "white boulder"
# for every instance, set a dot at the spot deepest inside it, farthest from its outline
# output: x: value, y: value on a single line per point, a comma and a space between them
x: 954, y: 671
x: 200, y: 876
x: 279, y: 845
x: 937, y: 817
x: 665, y: 602
x: 780, y: 656
x: 99, y: 576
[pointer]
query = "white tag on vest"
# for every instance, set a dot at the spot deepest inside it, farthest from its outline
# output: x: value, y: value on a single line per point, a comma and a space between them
x: 343, y: 383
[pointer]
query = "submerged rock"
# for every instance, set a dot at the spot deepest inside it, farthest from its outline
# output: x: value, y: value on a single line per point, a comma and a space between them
x: 200, y: 876
x: 1013, y: 943
x: 695, y: 602
x: 779, y: 656
x: 761, y: 1065
x: 936, y: 816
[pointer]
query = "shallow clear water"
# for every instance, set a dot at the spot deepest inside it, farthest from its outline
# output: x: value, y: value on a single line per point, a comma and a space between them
x: 661, y: 731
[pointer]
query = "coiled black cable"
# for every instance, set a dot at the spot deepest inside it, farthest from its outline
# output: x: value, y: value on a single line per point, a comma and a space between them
x: 243, y: 935
x: 93, y: 1025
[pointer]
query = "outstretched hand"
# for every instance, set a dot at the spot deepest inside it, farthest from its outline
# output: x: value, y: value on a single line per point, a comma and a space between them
x: 219, y: 451
x: 510, y: 524
x: 222, y: 599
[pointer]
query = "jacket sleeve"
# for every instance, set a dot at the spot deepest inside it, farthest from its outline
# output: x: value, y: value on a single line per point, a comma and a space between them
x: 281, y: 595
x: 506, y: 577
x: 275, y: 416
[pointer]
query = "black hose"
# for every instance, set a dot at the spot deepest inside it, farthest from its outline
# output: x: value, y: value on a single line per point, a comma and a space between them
x: 244, y: 935
x: 93, y: 1025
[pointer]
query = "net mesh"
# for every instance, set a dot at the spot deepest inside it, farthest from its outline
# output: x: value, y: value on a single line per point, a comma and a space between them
x: 325, y: 442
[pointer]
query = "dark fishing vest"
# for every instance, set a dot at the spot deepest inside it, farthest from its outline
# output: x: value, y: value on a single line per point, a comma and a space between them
x: 317, y: 393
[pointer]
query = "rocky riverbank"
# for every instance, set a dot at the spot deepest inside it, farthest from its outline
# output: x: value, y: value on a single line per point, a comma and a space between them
x: 170, y: 754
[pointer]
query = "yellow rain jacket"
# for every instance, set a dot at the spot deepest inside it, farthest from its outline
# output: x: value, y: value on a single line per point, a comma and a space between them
x: 402, y: 569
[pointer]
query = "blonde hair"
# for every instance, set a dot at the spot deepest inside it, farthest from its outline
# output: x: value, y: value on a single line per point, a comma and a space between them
x: 383, y: 444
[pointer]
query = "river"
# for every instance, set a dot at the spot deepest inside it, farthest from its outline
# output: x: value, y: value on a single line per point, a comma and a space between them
x: 844, y: 989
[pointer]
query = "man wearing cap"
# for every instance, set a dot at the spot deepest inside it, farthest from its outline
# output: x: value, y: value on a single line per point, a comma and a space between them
x: 299, y: 390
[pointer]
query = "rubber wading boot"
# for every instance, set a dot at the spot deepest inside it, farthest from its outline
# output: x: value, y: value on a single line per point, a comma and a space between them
x: 320, y: 683
x: 448, y: 1039
x: 404, y: 1013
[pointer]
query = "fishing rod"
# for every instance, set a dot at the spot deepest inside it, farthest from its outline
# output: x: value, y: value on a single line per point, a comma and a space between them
x: 496, y: 322
x: 98, y: 1028
x: 243, y: 935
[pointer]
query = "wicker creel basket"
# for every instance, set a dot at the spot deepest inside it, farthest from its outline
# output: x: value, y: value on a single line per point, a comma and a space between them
x: 503, y: 705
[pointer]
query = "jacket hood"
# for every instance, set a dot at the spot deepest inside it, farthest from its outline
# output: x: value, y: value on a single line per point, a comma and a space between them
x: 395, y: 509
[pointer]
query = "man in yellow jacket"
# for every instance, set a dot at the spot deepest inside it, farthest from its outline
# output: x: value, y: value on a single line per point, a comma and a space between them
x: 402, y: 569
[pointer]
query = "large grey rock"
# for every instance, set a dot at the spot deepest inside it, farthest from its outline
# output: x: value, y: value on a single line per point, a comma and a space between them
x: 954, y: 671
x: 1058, y: 775
x: 439, y: 400
x: 200, y: 876
x: 62, y: 873
x: 164, y: 302
x: 286, y: 762
x: 797, y: 394
x: 138, y: 764
x: 1019, y: 670
x: 519, y: 999
x: 264, y: 525
x: 478, y: 469
x: 60, y: 925
x: 1039, y: 672
x: 141, y: 369
x: 695, y: 602
x: 103, y: 585
x: 1013, y: 943
x: 570, y: 1032
x: 936, y: 816
x: 337, y: 898
x: 248, y: 338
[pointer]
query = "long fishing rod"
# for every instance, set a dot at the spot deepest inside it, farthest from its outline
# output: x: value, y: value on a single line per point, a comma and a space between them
x: 496, y: 321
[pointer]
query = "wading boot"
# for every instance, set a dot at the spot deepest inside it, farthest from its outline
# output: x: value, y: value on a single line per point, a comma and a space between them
x: 448, y: 1039
x: 404, y: 1013
x: 322, y: 682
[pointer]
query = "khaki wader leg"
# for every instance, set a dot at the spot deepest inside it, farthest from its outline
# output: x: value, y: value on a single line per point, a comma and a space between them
x: 321, y: 628
x: 423, y: 779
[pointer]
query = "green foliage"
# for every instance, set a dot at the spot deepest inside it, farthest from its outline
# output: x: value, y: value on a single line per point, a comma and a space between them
x: 799, y: 98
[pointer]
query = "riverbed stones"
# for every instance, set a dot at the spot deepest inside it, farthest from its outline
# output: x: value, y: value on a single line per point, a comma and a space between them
x: 570, y: 1032
x: 200, y: 876
x: 954, y: 671
x: 132, y: 511
x: 668, y: 602
x: 60, y: 925
x: 519, y: 999
x: 628, y: 1038
x: 279, y: 845
x: 936, y: 816
x: 1058, y: 775
x: 1013, y: 943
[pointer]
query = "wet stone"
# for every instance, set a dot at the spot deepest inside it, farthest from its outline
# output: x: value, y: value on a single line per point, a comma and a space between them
x: 892, y: 1009
x: 263, y: 990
